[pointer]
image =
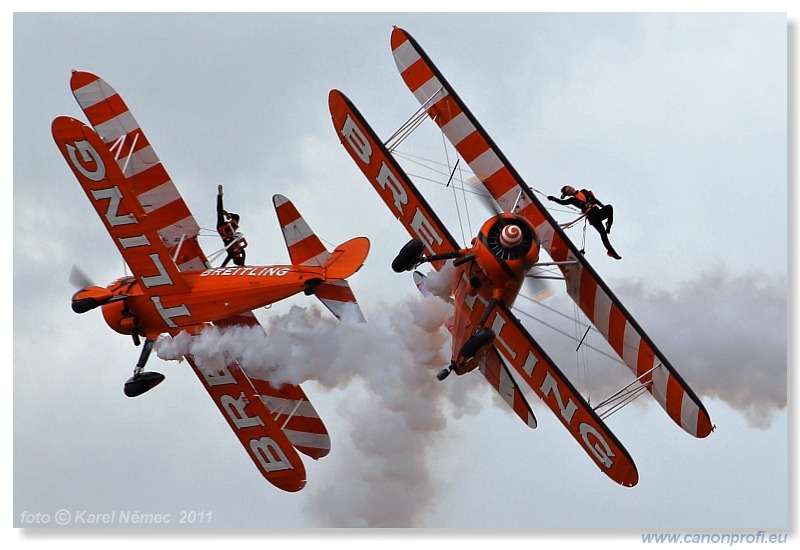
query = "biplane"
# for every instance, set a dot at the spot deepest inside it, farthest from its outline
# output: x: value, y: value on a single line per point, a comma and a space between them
x: 488, y: 274
x: 173, y: 287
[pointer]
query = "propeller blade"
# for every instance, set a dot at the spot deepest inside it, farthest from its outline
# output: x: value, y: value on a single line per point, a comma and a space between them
x: 537, y: 289
x: 78, y: 278
x: 486, y: 199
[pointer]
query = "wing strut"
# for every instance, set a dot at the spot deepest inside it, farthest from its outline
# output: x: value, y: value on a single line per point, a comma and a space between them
x: 408, y: 127
x: 626, y: 395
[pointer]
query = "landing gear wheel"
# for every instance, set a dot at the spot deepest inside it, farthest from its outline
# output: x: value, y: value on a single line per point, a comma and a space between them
x: 142, y: 381
x: 311, y: 286
x: 139, y: 383
x: 481, y: 338
x: 409, y: 256
x: 444, y: 373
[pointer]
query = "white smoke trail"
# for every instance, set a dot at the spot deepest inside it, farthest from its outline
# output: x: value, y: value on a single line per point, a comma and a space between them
x: 725, y: 335
x: 394, y: 413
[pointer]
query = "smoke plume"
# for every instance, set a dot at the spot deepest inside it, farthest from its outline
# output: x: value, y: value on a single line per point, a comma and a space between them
x: 725, y: 335
x: 393, y: 415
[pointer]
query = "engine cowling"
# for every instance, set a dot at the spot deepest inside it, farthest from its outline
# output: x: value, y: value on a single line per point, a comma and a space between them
x: 90, y: 297
x: 119, y: 318
x: 506, y: 248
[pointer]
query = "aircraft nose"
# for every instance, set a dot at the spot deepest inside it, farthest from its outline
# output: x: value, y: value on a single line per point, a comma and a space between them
x: 510, y: 236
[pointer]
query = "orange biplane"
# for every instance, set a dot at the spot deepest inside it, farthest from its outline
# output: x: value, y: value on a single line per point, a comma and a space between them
x: 174, y: 288
x: 488, y: 274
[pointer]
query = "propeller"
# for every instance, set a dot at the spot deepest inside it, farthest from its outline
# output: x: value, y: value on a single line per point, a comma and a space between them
x: 483, y: 195
x: 536, y: 287
x: 78, y: 278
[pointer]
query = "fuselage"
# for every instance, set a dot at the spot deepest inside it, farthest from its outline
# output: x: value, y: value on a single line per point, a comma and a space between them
x: 494, y: 268
x: 213, y: 294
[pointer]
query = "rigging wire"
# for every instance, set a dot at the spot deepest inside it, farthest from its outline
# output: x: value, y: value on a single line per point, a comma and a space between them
x: 455, y: 193
x: 466, y: 206
x: 524, y: 313
x: 581, y: 329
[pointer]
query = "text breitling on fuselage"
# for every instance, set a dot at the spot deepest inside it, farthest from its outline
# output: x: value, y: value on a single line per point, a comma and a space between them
x: 255, y: 271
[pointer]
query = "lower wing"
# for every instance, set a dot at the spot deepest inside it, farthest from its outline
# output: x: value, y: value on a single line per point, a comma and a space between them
x: 289, y: 405
x: 250, y: 419
x: 535, y: 369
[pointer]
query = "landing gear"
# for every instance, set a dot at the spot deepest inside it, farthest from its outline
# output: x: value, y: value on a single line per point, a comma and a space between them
x: 409, y: 256
x: 142, y: 381
x: 444, y: 373
x: 483, y: 337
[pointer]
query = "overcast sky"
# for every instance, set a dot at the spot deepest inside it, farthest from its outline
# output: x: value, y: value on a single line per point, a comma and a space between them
x: 678, y: 120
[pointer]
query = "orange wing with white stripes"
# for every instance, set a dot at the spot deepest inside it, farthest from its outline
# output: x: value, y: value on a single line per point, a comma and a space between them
x: 388, y: 178
x: 584, y: 285
x: 251, y: 420
x: 409, y: 206
x: 115, y: 201
x: 138, y: 162
x: 288, y: 405
x: 537, y: 371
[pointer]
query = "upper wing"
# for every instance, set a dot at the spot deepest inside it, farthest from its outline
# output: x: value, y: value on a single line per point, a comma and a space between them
x: 388, y: 178
x: 251, y: 421
x: 584, y: 285
x: 289, y: 406
x: 151, y: 185
x: 305, y: 248
x: 534, y: 368
x: 112, y: 197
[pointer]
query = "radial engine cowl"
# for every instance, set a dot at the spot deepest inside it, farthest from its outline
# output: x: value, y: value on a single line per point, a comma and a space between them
x: 507, y: 247
x: 119, y: 319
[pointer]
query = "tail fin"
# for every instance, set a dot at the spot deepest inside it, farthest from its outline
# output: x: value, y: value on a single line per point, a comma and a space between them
x: 305, y: 248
